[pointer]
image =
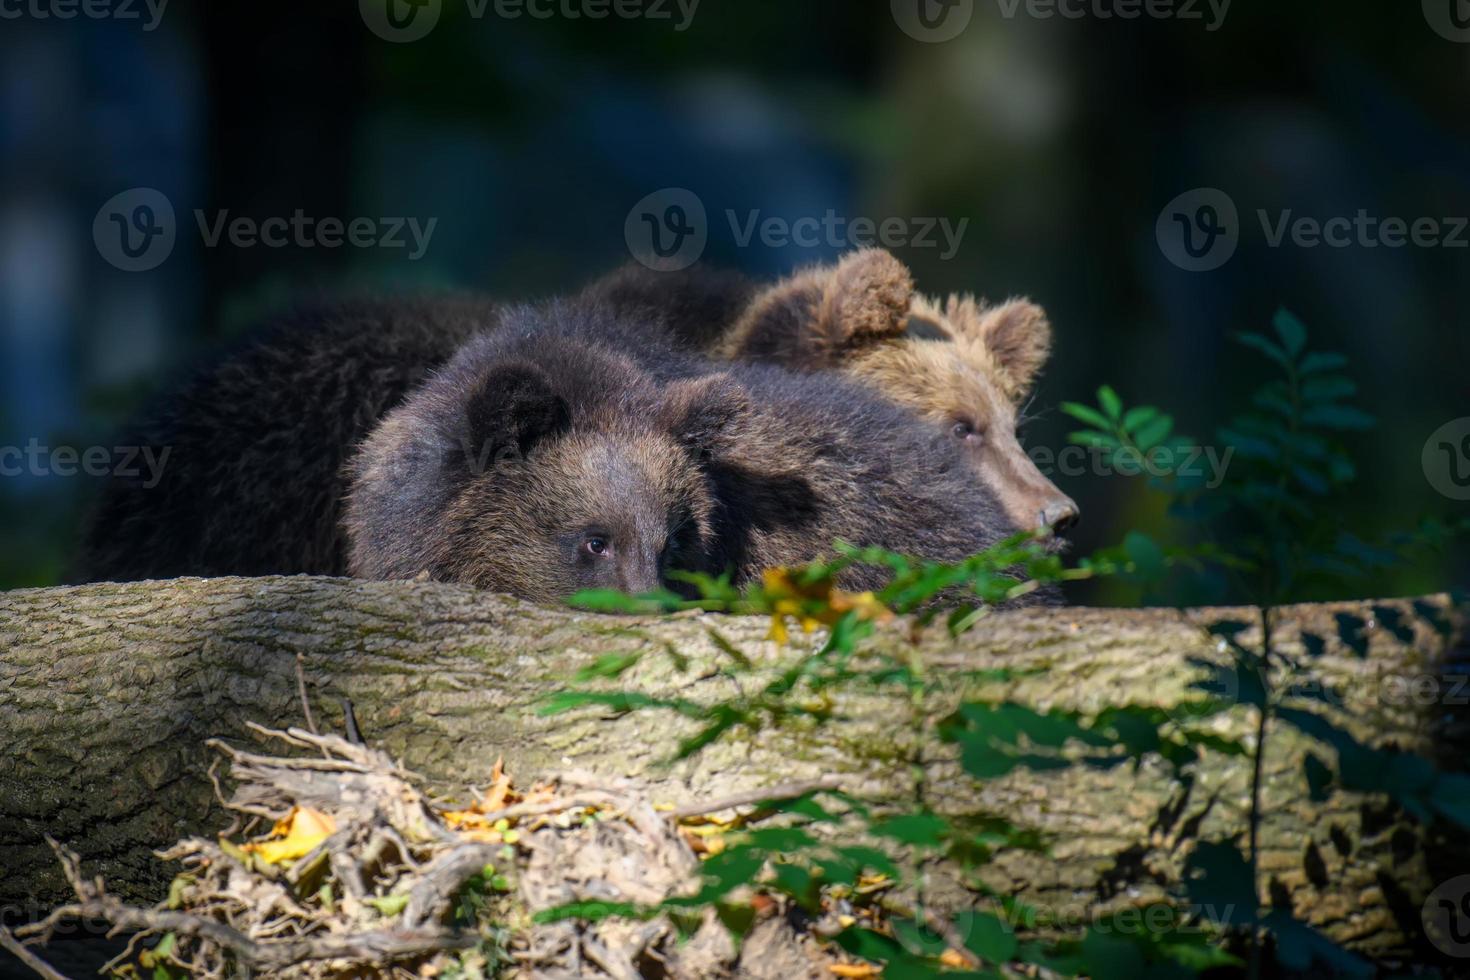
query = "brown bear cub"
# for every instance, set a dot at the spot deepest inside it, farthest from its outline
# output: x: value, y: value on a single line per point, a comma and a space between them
x: 965, y: 366
x: 591, y: 413
x: 536, y: 456
x: 541, y: 465
x: 257, y: 443
x: 511, y: 477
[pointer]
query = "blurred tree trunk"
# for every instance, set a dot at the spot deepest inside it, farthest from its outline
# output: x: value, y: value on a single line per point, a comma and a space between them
x: 287, y: 86
x: 108, y: 693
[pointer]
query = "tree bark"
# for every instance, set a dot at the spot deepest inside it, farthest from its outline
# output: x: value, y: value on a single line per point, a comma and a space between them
x: 108, y: 693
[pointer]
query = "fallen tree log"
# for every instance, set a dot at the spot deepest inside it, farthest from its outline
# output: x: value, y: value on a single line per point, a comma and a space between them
x: 108, y: 694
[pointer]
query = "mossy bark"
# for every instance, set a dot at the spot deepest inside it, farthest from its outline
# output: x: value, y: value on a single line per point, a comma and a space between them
x: 108, y: 693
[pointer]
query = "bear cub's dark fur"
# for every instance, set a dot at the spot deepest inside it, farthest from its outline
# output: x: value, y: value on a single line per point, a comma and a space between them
x: 533, y: 450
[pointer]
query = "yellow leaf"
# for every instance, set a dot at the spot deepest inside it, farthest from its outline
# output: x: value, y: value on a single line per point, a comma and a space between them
x: 294, y: 837
x: 956, y: 959
x: 856, y: 971
x: 815, y: 603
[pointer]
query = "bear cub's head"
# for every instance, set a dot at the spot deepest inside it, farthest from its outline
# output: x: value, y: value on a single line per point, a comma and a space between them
x: 966, y: 366
x: 540, y: 465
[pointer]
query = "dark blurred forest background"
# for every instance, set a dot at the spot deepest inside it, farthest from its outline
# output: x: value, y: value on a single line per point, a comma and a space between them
x: 1061, y: 140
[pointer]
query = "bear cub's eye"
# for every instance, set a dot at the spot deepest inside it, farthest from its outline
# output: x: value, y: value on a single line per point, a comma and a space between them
x: 965, y: 431
x: 597, y: 547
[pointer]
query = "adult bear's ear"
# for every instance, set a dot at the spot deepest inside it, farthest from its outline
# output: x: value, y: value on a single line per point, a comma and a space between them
x: 865, y: 299
x: 703, y: 413
x: 509, y: 411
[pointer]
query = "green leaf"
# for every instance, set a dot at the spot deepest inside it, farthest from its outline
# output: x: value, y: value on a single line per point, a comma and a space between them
x: 618, y: 701
x: 1249, y: 446
x: 730, y: 650
x: 803, y: 887
x: 870, y: 857
x: 1111, y: 403
x: 1154, y: 432
x: 918, y: 829
x: 1142, y: 415
x: 1095, y: 440
x: 1112, y: 957
x: 389, y: 905
x: 983, y: 761
x: 1328, y: 389
x: 592, y: 912
x: 1317, y: 363
x: 612, y: 601
x: 1293, y: 332
x: 1147, y: 558
x: 779, y: 840
x: 738, y: 919
x: 1256, y: 342
x: 726, y: 871
x: 608, y: 665
x: 1087, y: 416
x: 986, y: 936
x: 1340, y: 417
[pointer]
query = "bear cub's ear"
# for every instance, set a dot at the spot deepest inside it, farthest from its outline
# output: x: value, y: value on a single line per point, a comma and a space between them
x: 1018, y: 336
x: 510, y: 410
x: 703, y: 413
x: 866, y: 299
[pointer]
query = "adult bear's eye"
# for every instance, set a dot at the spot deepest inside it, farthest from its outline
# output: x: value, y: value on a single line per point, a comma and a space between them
x: 598, y: 547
